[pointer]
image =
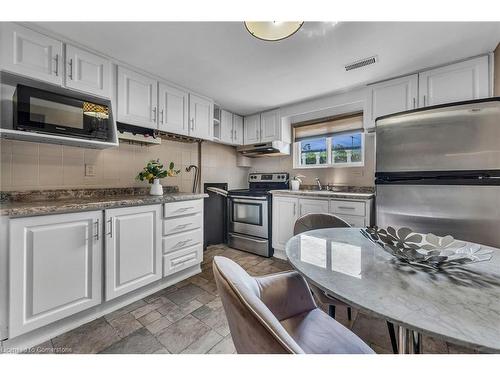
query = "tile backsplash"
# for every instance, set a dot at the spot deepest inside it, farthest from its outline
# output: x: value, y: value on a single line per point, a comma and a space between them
x: 31, y: 166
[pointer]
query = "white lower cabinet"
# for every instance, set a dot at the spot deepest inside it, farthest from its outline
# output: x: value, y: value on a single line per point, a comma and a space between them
x: 285, y: 213
x: 182, y: 235
x: 287, y: 209
x: 55, y: 268
x: 353, y: 221
x: 133, y: 248
x: 182, y: 259
x: 312, y: 206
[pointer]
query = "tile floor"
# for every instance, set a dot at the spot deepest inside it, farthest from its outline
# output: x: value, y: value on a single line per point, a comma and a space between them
x: 189, y: 318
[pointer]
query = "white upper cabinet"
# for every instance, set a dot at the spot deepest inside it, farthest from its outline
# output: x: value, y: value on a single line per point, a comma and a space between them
x: 227, y: 131
x: 133, y: 248
x: 55, y: 268
x: 137, y: 99
x: 265, y: 127
x: 465, y: 80
x: 200, y: 117
x: 87, y: 72
x: 395, y: 95
x: 252, y: 129
x: 237, y: 130
x: 31, y: 54
x: 173, y: 105
x: 270, y: 125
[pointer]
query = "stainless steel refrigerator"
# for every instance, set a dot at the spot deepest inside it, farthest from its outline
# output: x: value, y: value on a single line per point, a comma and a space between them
x: 438, y: 170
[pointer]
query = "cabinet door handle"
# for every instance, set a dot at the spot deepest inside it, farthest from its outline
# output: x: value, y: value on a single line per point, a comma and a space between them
x: 70, y: 63
x: 96, y: 235
x: 56, y: 59
x: 294, y: 209
x: 235, y: 135
x: 154, y: 114
x: 232, y: 134
x: 110, y: 228
x: 161, y: 113
x: 414, y: 103
x: 424, y: 100
x: 192, y: 124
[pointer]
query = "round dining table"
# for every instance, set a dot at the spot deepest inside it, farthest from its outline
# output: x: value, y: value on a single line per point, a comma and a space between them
x: 458, y: 304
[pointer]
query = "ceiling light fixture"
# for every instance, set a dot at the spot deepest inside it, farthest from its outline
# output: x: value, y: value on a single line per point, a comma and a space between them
x: 273, y: 30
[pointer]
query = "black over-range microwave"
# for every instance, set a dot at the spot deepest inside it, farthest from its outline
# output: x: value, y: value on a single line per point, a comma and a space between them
x: 51, y: 113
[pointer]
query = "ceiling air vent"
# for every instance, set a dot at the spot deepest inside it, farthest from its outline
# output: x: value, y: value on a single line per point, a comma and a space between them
x: 361, y: 63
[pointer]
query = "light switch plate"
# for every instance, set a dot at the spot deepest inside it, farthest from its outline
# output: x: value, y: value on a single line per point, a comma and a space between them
x: 89, y: 170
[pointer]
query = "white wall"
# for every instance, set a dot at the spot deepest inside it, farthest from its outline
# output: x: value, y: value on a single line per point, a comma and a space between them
x: 354, y: 100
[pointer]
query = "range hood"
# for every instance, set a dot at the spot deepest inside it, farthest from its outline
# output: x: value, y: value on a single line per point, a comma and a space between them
x: 274, y: 148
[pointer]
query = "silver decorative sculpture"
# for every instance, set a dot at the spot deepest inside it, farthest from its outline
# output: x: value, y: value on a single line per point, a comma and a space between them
x: 426, y: 250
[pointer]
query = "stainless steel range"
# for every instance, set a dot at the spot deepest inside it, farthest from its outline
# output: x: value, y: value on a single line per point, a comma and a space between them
x: 250, y: 213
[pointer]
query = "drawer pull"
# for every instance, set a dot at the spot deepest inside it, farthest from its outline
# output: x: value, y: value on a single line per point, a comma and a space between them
x: 183, y: 259
x: 182, y: 209
x: 346, y: 208
x: 182, y: 243
x: 183, y: 225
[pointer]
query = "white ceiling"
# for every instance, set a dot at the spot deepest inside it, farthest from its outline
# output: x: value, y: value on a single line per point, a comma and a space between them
x: 247, y: 75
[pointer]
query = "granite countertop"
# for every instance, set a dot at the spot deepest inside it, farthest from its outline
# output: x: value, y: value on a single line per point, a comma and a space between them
x: 456, y: 304
x: 347, y: 192
x: 63, y: 201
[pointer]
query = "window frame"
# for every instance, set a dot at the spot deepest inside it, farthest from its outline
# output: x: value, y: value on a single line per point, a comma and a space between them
x: 296, y: 150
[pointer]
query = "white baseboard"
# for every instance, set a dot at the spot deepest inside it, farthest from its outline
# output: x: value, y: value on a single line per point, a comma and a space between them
x: 280, y: 254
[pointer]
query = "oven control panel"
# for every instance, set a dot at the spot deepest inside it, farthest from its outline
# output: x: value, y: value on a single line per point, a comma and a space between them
x: 268, y: 177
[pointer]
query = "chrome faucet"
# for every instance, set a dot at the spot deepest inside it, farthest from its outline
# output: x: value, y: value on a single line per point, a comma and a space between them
x: 196, y: 179
x: 318, y: 182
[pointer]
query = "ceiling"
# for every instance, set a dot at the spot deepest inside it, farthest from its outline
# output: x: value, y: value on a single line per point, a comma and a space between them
x: 246, y: 75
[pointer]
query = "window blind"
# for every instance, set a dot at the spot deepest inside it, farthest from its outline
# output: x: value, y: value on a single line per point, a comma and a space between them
x: 328, y: 127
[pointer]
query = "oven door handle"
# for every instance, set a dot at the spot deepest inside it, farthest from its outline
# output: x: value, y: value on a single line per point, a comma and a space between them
x: 247, y: 199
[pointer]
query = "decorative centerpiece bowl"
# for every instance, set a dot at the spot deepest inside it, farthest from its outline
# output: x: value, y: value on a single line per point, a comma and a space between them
x: 427, y: 250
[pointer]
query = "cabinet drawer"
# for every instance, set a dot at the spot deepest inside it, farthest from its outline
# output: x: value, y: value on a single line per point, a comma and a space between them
x: 182, y: 240
x: 183, y: 208
x: 347, y: 207
x: 182, y: 259
x: 354, y: 221
x: 181, y: 224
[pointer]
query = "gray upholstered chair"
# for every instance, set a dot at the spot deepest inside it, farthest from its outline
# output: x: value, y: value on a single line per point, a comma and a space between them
x: 277, y: 314
x: 309, y: 222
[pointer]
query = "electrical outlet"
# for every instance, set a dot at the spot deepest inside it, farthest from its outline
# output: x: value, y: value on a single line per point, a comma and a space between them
x: 89, y: 170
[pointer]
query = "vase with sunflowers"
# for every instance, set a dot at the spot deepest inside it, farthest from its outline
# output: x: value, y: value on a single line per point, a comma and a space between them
x: 152, y: 173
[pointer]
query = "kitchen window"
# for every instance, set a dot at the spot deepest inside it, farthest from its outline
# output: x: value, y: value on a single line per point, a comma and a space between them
x: 335, y: 142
